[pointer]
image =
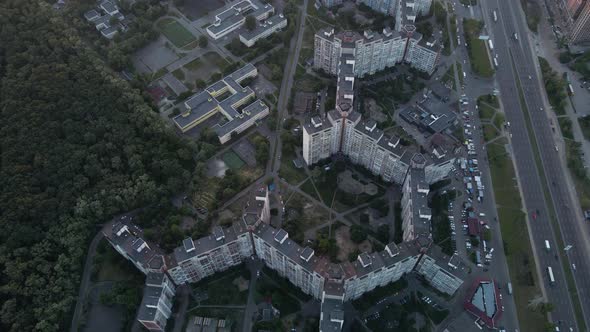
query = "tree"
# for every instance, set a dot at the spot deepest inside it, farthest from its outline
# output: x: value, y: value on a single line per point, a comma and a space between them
x: 203, y: 41
x: 199, y: 83
x: 79, y: 145
x: 250, y: 23
x: 426, y: 29
x: 383, y: 233
x: 357, y: 234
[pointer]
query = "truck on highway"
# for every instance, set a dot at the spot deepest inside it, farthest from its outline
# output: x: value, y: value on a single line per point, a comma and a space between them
x: 547, y: 246
x: 495, y: 16
x: 510, y: 288
x: 491, y: 43
x: 515, y: 35
x: 570, y: 90
x: 496, y: 62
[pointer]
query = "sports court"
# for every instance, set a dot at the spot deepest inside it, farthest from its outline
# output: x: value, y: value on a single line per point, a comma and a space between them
x: 232, y: 160
x: 175, y: 32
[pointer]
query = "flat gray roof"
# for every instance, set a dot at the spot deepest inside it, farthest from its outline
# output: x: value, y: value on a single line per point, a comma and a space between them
x: 270, y: 23
x: 289, y: 248
x: 208, y: 243
x: 203, y: 103
x: 249, y: 112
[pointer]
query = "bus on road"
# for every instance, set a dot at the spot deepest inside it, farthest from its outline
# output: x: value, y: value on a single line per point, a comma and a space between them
x: 510, y: 288
x: 495, y: 16
x: 550, y: 273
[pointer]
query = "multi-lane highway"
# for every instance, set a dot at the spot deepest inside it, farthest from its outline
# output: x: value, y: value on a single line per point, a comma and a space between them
x: 517, y: 50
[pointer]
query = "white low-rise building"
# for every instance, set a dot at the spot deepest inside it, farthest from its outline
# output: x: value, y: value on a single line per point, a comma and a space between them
x: 234, y: 17
x: 263, y: 30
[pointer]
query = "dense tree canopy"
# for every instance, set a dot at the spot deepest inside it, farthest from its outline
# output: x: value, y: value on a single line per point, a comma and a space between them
x: 78, y: 145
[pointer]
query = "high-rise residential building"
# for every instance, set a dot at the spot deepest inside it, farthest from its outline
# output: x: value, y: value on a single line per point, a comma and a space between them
x: 580, y: 26
x: 332, y: 311
x: 317, y: 142
x: 198, y: 259
x: 128, y: 240
x: 378, y: 269
x: 423, y: 55
x: 331, y: 283
x: 574, y: 7
x: 156, y: 304
x: 416, y: 214
x: 299, y: 265
x: 437, y: 276
x: 343, y: 132
x: 373, y: 51
x: 393, y: 7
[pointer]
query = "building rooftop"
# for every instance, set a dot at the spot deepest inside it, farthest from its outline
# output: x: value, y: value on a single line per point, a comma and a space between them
x: 368, y: 263
x: 425, y: 119
x: 223, y: 96
x: 421, y: 211
x: 315, y: 124
x: 219, y: 237
x: 483, y: 301
x: 129, y: 238
x: 232, y: 16
x: 249, y: 112
x: 263, y: 27
x: 369, y: 128
x: 279, y: 239
x: 332, y: 315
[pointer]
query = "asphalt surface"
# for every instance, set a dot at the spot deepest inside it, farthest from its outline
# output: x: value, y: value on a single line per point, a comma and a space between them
x: 571, y: 223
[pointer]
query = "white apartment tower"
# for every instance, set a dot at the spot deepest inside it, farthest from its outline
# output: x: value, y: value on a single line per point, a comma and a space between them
x: 373, y: 51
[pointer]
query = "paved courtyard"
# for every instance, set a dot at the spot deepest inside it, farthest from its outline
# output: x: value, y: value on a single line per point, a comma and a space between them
x: 154, y: 57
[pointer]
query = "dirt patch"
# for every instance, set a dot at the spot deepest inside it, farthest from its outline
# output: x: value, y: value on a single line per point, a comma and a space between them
x: 241, y: 283
x: 347, y: 246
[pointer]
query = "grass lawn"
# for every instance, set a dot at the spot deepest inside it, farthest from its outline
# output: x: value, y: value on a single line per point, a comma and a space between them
x: 232, y: 160
x: 565, y: 124
x: 175, y: 32
x: 499, y: 120
x: 268, y: 290
x: 309, y: 189
x: 218, y: 60
x: 515, y: 236
x: 478, y: 54
x: 580, y: 177
x: 194, y: 65
x: 179, y: 74
x: 288, y: 171
x: 489, y: 132
x: 486, y: 112
x: 223, y: 291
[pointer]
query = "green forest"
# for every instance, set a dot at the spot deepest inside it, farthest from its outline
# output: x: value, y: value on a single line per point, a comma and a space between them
x: 78, y: 146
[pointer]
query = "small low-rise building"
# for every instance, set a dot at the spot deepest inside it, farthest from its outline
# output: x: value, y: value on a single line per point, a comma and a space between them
x: 234, y: 17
